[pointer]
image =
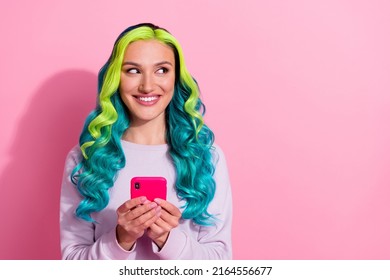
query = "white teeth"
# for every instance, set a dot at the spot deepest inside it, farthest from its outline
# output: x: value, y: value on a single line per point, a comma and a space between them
x: 148, y: 99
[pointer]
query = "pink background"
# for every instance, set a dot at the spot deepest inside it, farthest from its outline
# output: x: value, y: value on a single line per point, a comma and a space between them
x: 297, y: 92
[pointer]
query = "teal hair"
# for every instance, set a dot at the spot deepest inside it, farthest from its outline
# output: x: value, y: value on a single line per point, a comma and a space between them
x: 190, y: 140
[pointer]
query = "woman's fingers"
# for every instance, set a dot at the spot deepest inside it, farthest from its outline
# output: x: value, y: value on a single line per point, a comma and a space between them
x: 161, y: 226
x: 134, y: 217
x: 169, y: 207
x: 139, y: 215
x: 169, y: 219
x: 139, y: 211
x: 130, y: 204
x: 158, y: 217
x: 146, y: 218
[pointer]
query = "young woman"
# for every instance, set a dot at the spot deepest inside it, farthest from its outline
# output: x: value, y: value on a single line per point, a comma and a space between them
x: 148, y: 121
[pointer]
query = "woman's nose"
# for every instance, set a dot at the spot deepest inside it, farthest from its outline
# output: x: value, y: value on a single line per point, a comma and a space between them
x: 146, y: 84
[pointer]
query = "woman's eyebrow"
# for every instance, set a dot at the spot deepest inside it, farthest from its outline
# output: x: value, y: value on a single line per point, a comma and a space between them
x: 163, y: 62
x: 139, y: 65
x: 131, y: 63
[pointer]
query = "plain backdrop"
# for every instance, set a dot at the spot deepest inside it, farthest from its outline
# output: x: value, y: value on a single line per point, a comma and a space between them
x: 297, y: 93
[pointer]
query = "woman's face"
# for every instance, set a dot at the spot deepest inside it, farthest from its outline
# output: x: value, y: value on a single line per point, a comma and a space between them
x: 147, y: 80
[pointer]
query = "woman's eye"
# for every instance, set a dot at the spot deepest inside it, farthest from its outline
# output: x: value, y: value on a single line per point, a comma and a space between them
x: 162, y: 70
x: 132, y: 71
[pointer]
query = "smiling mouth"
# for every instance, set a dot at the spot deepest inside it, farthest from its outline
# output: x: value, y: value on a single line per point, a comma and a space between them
x: 147, y: 100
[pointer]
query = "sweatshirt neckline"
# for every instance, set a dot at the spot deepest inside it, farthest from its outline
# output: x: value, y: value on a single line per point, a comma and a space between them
x: 142, y: 147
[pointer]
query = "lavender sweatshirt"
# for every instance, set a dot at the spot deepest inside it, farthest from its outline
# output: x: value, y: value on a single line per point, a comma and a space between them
x: 85, y: 240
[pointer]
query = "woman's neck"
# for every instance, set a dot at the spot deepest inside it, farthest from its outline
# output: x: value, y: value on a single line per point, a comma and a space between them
x: 148, y: 133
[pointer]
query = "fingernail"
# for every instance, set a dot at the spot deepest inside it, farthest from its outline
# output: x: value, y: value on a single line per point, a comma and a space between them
x: 157, y: 200
x: 142, y: 199
x: 152, y: 205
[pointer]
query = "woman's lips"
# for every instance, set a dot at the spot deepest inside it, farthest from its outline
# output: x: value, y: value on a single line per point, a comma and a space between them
x: 147, y: 100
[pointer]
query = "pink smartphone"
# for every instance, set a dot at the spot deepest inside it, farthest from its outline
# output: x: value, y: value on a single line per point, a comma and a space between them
x: 151, y: 187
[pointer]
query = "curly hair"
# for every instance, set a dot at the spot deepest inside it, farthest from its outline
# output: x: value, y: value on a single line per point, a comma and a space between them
x: 190, y: 141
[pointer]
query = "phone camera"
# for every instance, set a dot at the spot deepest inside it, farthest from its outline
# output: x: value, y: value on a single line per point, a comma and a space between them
x: 137, y: 186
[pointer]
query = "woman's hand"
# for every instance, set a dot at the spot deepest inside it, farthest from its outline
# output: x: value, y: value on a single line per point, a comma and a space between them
x: 169, y: 219
x: 134, y: 217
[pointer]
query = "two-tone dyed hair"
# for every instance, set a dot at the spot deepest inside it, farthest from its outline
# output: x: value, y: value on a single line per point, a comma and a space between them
x: 190, y: 140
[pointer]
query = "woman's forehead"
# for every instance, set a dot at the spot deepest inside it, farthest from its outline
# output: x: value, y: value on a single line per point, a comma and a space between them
x: 149, y: 51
